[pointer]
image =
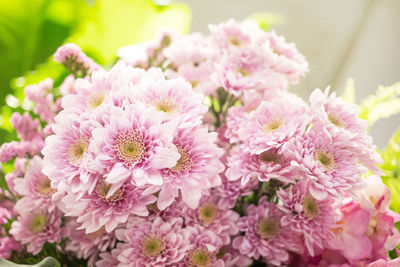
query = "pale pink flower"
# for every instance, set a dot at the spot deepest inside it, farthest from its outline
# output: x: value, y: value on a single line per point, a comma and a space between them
x: 197, y: 169
x: 26, y: 127
x: 36, y: 227
x: 308, y: 216
x: 8, y: 245
x: 72, y: 57
x: 174, y: 97
x: 134, y: 144
x: 273, y: 123
x: 328, y: 162
x: 101, y: 210
x: 265, y: 236
x: 339, y: 117
x: 109, y: 259
x: 232, y: 257
x: 156, y: 243
x: 350, y: 233
x: 270, y: 164
x: 203, y: 249
x: 34, y: 188
x: 214, y: 217
x: 229, y: 34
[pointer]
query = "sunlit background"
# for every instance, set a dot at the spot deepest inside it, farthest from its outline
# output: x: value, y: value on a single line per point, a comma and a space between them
x: 340, y: 39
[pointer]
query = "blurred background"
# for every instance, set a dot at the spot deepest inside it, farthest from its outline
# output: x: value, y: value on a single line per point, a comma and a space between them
x: 340, y: 39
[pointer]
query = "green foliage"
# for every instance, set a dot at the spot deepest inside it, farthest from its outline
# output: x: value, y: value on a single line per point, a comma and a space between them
x: 47, y: 262
x: 383, y: 104
x: 391, y: 169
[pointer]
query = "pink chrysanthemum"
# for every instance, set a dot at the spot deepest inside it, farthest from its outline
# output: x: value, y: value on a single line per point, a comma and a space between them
x: 213, y: 217
x: 273, y: 123
x: 196, y: 170
x: 65, y: 151
x: 86, y: 246
x: 203, y: 249
x: 35, y: 188
x: 36, y: 227
x: 246, y: 69
x: 133, y: 145
x: 328, y: 162
x: 229, y: 34
x: 308, y: 216
x: 174, y: 97
x: 341, y: 118
x: 284, y: 57
x: 232, y: 257
x: 268, y: 165
x: 100, y: 209
x: 265, y: 235
x: 157, y: 243
x: 109, y: 259
x: 229, y: 191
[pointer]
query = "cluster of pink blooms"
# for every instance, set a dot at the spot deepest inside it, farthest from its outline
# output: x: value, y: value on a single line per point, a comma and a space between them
x: 190, y: 151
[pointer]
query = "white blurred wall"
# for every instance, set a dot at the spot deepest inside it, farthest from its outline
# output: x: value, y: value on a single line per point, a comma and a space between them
x: 340, y: 39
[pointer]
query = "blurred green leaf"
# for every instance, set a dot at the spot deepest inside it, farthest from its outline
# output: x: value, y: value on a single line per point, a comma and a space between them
x: 383, y: 104
x: 391, y: 169
x: 111, y: 24
x: 264, y: 20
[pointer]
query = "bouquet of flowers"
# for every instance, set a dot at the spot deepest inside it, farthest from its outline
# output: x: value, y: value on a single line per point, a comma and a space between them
x: 190, y: 151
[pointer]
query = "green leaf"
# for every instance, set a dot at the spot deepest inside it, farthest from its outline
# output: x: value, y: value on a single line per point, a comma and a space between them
x: 103, y: 32
x: 383, y: 104
x: 391, y: 169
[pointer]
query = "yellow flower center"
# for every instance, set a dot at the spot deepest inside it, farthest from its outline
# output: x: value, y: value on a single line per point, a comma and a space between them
x: 77, y: 150
x: 335, y: 120
x: 44, y: 187
x: 38, y: 223
x: 268, y: 228
x: 152, y: 246
x: 269, y: 156
x: 130, y: 147
x: 102, y: 189
x: 243, y: 71
x: 310, y: 206
x: 166, y: 105
x: 272, y: 126
x: 207, y: 213
x: 185, y: 162
x: 95, y: 100
x: 326, y: 159
x: 200, y: 257
x: 233, y: 40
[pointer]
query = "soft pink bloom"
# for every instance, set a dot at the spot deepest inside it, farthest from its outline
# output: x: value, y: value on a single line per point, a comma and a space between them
x: 72, y: 57
x: 34, y: 188
x: 229, y: 34
x: 203, y: 249
x: 156, y: 243
x: 135, y: 145
x: 232, y: 257
x: 65, y: 152
x: 174, y: 97
x: 308, y: 216
x: 339, y: 117
x: 26, y: 127
x: 108, y: 259
x: 101, y: 210
x: 36, y: 227
x: 268, y: 165
x: 214, y: 217
x: 264, y: 234
x: 274, y: 123
x: 197, y: 169
x: 350, y: 233
x: 8, y: 245
x: 328, y: 162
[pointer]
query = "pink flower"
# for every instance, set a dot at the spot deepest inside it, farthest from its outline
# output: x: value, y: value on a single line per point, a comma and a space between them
x: 174, y: 97
x: 157, y: 243
x: 72, y: 57
x: 229, y: 34
x: 350, y: 234
x: 273, y: 123
x: 26, y: 127
x: 268, y: 165
x: 134, y: 144
x: 99, y: 209
x: 213, y: 217
x: 196, y: 170
x: 35, y: 188
x: 65, y: 152
x: 7, y: 246
x: 308, y: 216
x: 203, y: 249
x: 36, y: 227
x: 265, y: 235
x: 328, y: 162
x: 341, y: 118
